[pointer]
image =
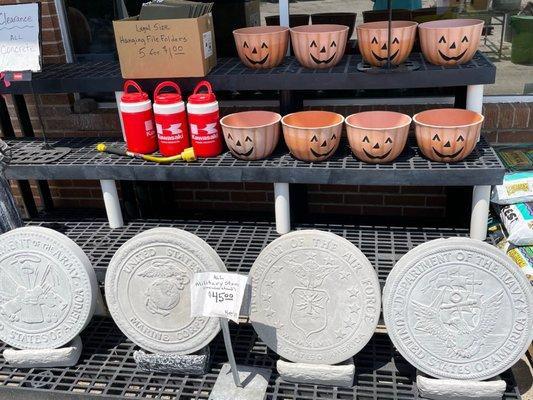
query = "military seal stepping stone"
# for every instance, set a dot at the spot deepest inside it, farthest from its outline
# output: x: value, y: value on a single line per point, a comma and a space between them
x: 315, y: 297
x: 147, y: 288
x: 47, y: 288
x: 458, y: 308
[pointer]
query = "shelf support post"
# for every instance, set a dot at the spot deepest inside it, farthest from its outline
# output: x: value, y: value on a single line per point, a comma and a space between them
x: 474, y: 98
x: 112, y: 203
x: 480, y: 212
x: 282, y: 208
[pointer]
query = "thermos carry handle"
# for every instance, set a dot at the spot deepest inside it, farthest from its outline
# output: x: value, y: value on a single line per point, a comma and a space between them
x: 203, y: 84
x: 167, y: 84
x: 130, y: 83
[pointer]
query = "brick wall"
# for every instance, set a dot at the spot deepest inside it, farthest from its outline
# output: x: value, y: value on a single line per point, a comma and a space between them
x: 504, y: 123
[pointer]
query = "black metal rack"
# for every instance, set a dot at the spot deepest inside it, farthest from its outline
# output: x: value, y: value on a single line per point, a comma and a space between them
x: 231, y: 74
x: 482, y: 167
x: 106, y: 368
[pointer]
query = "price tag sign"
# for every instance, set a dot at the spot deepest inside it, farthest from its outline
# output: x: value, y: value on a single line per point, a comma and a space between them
x: 20, y: 49
x: 217, y: 294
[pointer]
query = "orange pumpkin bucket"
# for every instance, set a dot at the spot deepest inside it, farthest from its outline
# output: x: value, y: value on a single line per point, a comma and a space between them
x: 312, y: 135
x: 320, y: 45
x: 447, y: 134
x: 262, y: 46
x: 450, y: 41
x: 251, y: 135
x: 372, y: 38
x: 377, y: 137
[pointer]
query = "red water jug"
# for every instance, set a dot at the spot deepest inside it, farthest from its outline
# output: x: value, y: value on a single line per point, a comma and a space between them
x: 202, y: 110
x: 137, y: 118
x: 170, y: 120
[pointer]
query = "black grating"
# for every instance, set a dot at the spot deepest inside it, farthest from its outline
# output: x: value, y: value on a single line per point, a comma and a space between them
x: 106, y: 370
x: 481, y: 167
x: 231, y: 74
x: 239, y: 243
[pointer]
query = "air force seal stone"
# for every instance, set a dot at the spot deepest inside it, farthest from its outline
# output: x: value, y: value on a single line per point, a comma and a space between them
x: 458, y: 308
x: 315, y: 297
x: 47, y: 288
x: 147, y: 289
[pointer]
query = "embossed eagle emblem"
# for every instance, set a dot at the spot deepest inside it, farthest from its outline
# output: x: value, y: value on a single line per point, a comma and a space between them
x: 458, y: 316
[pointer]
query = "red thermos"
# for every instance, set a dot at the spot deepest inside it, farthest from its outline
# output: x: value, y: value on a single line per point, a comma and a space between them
x: 170, y: 120
x: 136, y: 111
x: 202, y: 110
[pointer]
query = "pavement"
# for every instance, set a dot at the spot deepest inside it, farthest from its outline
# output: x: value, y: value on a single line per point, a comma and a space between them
x: 510, y: 78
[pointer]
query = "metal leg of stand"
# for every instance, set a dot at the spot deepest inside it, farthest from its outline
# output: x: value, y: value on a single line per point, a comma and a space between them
x: 480, y: 212
x: 112, y: 203
x: 282, y: 208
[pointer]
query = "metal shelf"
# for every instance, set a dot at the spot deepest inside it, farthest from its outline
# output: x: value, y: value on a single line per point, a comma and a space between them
x: 239, y: 243
x: 482, y: 167
x: 106, y: 370
x: 231, y: 74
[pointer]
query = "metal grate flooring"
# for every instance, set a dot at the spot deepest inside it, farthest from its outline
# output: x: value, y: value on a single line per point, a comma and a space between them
x: 239, y: 243
x: 106, y: 370
x: 482, y: 166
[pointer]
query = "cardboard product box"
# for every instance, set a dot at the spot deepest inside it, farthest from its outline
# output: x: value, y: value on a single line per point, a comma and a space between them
x: 165, y: 48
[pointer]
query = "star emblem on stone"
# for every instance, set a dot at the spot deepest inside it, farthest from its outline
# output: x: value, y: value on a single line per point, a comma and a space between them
x: 270, y: 284
x: 353, y: 292
x: 348, y: 323
x: 276, y: 269
x: 269, y: 313
x: 311, y: 256
x: 328, y: 260
x: 354, y: 308
x: 339, y: 334
x: 344, y: 275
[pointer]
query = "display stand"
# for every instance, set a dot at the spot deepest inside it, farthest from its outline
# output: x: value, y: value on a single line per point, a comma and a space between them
x: 197, y: 363
x: 340, y: 375
x: 453, y: 389
x: 66, y: 356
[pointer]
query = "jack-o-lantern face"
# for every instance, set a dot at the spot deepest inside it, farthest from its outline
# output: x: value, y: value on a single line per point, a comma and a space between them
x: 255, y: 56
x: 450, y: 144
x: 377, y: 136
x: 376, y: 150
x: 373, y: 40
x: 323, y: 148
x: 450, y: 41
x: 262, y: 46
x: 380, y: 51
x: 318, y: 51
x: 312, y: 135
x: 242, y: 148
x: 447, y: 134
x: 451, y: 50
x: 319, y: 45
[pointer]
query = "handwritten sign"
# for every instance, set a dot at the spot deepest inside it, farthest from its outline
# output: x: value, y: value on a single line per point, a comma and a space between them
x: 19, y: 38
x: 217, y: 294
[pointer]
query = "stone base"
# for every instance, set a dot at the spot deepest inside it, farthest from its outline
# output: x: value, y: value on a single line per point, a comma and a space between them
x: 193, y: 364
x: 452, y: 389
x: 45, y: 358
x: 254, y: 384
x: 341, y: 374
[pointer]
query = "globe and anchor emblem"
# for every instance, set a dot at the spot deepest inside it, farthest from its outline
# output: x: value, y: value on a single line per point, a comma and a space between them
x: 167, y: 280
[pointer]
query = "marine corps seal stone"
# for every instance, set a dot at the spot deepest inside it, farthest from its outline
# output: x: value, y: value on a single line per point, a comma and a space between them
x: 147, y: 289
x: 47, y: 288
x: 458, y: 308
x: 315, y: 297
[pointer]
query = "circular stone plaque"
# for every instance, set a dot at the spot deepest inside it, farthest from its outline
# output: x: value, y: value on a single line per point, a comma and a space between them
x: 315, y: 297
x: 147, y: 288
x: 47, y: 287
x: 458, y: 308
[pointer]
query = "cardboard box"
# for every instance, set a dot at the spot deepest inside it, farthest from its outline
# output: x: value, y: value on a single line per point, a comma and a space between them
x: 165, y: 48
